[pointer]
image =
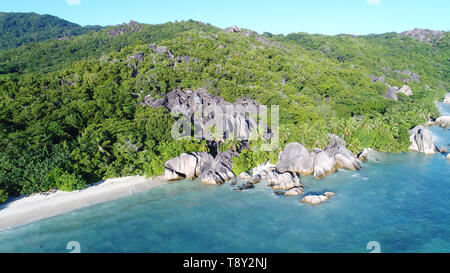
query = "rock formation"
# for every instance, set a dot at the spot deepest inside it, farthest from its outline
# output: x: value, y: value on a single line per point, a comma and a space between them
x: 424, y: 35
x: 233, y: 116
x: 421, y: 140
x: 220, y: 169
x: 296, y: 159
x: 317, y: 199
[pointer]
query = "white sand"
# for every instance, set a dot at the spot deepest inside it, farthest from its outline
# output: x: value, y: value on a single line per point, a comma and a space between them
x: 39, y: 206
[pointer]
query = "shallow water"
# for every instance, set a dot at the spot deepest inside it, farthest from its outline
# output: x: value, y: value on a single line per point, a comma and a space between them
x: 401, y: 202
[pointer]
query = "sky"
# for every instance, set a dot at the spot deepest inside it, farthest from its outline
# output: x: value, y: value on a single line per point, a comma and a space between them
x: 275, y: 16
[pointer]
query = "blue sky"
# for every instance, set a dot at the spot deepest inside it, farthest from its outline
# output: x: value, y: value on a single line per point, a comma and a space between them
x: 275, y: 16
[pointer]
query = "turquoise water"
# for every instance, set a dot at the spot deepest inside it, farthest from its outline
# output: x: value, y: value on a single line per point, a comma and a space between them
x: 402, y: 202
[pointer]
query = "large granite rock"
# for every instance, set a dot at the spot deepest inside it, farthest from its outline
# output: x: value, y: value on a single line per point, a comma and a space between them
x: 183, y: 166
x: 344, y: 158
x: 443, y: 121
x: 421, y: 140
x: 295, y: 158
x: 220, y: 170
x: 405, y: 89
x: 324, y: 164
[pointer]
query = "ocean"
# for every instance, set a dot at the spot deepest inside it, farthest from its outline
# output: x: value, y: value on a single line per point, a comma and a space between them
x: 400, y: 203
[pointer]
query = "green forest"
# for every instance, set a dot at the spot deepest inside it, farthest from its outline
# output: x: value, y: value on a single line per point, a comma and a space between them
x: 70, y: 111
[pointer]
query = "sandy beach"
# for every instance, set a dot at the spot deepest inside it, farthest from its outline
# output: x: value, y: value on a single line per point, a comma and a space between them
x: 27, y: 209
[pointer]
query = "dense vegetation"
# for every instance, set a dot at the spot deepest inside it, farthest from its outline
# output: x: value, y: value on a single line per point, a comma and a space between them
x: 72, y: 116
x: 17, y: 29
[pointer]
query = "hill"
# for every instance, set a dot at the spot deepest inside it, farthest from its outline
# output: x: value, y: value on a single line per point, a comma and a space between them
x: 17, y: 29
x: 71, y: 112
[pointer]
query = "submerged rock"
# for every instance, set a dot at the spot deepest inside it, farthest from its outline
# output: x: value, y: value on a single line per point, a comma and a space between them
x: 317, y: 199
x: 442, y: 150
x: 244, y: 187
x: 371, y: 154
x: 421, y: 140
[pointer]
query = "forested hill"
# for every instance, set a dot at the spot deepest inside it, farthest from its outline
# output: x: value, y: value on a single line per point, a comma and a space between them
x: 20, y: 28
x: 71, y: 113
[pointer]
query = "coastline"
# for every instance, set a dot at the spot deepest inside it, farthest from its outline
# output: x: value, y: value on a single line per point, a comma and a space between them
x: 28, y: 209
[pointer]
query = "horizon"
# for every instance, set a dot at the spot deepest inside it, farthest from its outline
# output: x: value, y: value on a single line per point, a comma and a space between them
x: 355, y: 17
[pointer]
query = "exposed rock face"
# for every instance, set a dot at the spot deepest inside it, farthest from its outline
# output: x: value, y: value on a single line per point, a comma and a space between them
x: 447, y: 98
x: 183, y: 166
x: 203, y: 160
x: 392, y: 91
x: 343, y: 157
x: 424, y: 35
x: 296, y: 159
x: 232, y: 29
x: 317, y: 199
x: 235, y: 122
x: 405, y: 89
x: 421, y: 140
x: 324, y: 164
x: 220, y: 169
x: 139, y: 57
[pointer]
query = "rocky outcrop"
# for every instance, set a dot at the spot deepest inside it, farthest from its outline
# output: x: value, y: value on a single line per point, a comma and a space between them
x: 183, y: 166
x: 220, y: 169
x: 324, y: 164
x: 424, y: 35
x: 317, y: 199
x: 236, y: 122
x: 392, y: 91
x: 405, y: 89
x: 232, y: 29
x: 421, y: 140
x: 295, y: 158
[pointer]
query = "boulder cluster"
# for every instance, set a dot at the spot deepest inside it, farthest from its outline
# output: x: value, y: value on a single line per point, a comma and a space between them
x: 236, y: 123
x: 298, y: 160
x: 213, y: 171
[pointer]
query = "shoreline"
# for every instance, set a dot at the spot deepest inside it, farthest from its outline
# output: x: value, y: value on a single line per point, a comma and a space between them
x: 27, y: 209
